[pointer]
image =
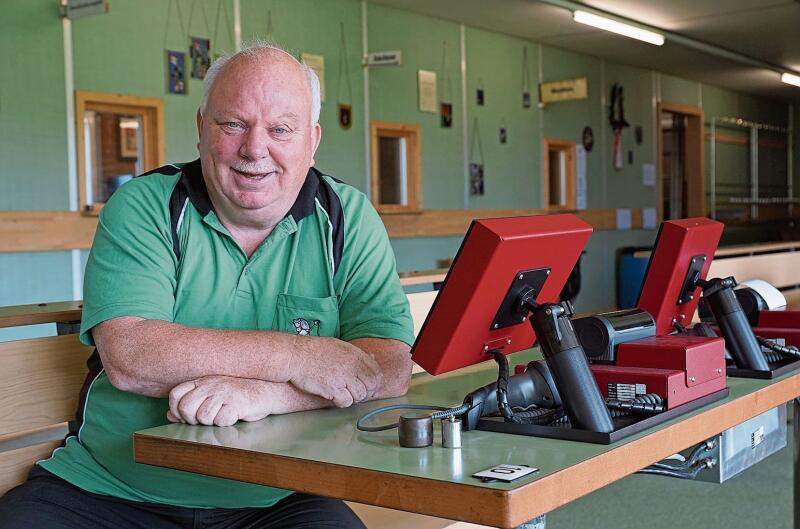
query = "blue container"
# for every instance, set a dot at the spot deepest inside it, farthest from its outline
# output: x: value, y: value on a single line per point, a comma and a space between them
x: 630, y: 277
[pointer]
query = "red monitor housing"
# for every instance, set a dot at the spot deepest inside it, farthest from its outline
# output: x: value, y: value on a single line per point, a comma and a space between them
x: 677, y: 244
x: 459, y: 328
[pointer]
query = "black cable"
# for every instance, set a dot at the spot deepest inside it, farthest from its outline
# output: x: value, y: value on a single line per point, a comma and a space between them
x: 772, y: 345
x: 502, y: 387
x: 441, y: 413
x: 685, y: 474
x: 690, y: 461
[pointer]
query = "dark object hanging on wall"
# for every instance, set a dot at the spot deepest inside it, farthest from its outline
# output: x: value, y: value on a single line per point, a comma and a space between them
x: 446, y: 112
x: 345, y: 116
x: 616, y: 117
x: 479, y: 99
x: 526, y: 80
x: 476, y: 161
x: 503, y: 135
x: 587, y: 138
x: 638, y: 134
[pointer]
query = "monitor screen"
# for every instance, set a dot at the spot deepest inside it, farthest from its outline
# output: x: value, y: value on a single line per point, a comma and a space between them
x: 496, y: 258
x: 681, y: 245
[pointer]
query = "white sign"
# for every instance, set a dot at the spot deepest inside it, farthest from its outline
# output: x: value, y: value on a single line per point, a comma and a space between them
x: 649, y: 218
x: 623, y: 218
x: 426, y: 81
x: 580, y: 177
x: 505, y: 472
x: 385, y: 58
x: 649, y: 174
x: 316, y: 63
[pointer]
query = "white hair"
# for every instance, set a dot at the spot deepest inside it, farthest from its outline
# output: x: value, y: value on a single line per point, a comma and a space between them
x: 254, y: 50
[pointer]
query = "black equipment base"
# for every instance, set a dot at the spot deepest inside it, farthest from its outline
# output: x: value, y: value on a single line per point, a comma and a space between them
x: 624, y: 426
x: 776, y: 369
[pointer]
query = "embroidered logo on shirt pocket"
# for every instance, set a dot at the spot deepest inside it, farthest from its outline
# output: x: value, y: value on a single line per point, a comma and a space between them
x: 305, y: 316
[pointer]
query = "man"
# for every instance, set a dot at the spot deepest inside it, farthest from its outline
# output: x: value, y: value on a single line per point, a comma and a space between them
x: 240, y: 285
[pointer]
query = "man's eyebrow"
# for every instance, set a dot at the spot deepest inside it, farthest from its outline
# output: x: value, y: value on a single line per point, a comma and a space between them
x: 288, y: 115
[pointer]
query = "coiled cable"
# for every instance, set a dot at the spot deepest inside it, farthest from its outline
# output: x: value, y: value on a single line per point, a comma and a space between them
x: 774, y: 346
x: 441, y: 413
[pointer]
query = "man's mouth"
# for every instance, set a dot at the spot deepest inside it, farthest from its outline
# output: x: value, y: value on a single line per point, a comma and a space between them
x: 252, y: 175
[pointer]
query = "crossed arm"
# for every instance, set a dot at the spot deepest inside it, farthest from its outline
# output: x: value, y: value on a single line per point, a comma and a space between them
x: 216, y: 376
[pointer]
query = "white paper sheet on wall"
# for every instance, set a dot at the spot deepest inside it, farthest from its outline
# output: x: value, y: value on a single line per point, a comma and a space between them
x: 580, y: 177
x: 649, y: 218
x: 623, y: 218
x: 649, y: 174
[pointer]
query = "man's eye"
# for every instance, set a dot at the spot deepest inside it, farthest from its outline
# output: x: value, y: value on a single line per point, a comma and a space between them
x: 280, y: 130
x: 232, y: 125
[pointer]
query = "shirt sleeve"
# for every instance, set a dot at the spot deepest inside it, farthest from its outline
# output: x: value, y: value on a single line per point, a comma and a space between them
x: 372, y: 303
x: 131, y: 270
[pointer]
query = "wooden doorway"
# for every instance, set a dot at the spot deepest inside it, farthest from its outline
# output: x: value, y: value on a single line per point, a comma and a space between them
x: 118, y: 137
x: 681, y: 185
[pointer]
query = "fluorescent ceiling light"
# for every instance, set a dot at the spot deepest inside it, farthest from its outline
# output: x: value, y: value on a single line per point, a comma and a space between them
x: 590, y: 19
x: 791, y: 79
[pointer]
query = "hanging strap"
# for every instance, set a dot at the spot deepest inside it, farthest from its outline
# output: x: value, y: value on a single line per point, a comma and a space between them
x: 205, y: 18
x: 269, y: 24
x: 220, y: 8
x: 446, y: 75
x: 180, y: 21
x: 344, y: 69
x: 476, y: 140
x: 526, y: 75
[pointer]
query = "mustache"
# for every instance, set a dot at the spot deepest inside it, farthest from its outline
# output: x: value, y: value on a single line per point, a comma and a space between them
x: 244, y: 166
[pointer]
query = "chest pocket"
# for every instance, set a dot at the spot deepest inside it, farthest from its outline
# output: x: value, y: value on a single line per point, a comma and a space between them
x: 307, y: 316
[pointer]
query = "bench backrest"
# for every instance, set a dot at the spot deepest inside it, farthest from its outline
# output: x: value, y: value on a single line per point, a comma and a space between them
x: 40, y: 381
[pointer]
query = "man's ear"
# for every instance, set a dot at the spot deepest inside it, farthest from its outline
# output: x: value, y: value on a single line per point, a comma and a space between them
x: 316, y: 133
x: 199, y: 118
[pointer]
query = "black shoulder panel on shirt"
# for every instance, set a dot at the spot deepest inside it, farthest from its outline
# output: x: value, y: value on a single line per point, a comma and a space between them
x: 332, y: 205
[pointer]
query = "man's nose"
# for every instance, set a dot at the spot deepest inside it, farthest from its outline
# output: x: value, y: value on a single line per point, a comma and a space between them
x: 255, y: 144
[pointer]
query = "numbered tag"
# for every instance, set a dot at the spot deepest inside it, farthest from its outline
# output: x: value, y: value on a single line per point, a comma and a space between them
x: 506, y: 472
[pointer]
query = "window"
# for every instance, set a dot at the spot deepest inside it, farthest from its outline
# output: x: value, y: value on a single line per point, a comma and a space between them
x: 559, y: 174
x: 118, y: 138
x: 395, y: 167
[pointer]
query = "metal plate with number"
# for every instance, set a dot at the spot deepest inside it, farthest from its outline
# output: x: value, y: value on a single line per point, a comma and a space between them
x: 505, y: 472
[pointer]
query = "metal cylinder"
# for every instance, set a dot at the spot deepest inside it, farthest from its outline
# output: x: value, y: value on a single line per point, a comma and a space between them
x: 451, y: 432
x: 415, y: 430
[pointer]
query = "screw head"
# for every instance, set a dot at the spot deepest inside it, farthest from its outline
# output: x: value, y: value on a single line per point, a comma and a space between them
x: 508, y: 341
x: 524, y: 318
x: 521, y: 276
x: 485, y: 347
x: 495, y: 326
x: 691, y: 379
x: 719, y: 371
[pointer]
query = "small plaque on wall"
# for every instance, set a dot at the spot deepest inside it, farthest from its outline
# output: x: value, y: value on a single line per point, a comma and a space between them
x: 563, y: 90
x: 426, y: 84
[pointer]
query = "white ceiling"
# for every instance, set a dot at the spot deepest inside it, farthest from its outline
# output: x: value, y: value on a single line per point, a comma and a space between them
x: 765, y: 30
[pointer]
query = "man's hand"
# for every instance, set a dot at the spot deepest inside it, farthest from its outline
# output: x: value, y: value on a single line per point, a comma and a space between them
x: 337, y: 371
x: 219, y: 400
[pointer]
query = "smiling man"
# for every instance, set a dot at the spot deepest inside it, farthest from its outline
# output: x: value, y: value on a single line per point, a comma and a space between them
x: 239, y: 285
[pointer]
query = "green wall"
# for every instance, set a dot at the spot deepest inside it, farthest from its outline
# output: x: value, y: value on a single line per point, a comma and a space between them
x: 109, y: 57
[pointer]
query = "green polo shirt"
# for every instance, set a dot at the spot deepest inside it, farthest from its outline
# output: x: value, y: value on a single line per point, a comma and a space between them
x: 160, y: 252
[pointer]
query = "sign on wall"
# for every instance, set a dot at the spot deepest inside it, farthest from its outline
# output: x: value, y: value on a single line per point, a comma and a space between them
x: 555, y: 91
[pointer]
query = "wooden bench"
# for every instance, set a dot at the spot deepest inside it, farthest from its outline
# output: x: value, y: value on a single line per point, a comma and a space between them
x: 40, y: 381
x: 775, y: 263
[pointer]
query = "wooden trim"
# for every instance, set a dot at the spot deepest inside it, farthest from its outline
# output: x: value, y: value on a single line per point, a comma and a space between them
x: 454, y: 222
x: 458, y: 501
x: 744, y: 141
x: 58, y: 312
x: 152, y: 111
x: 421, y: 277
x: 45, y: 231
x: 567, y: 147
x: 413, y: 135
x: 694, y: 150
x: 48, y: 231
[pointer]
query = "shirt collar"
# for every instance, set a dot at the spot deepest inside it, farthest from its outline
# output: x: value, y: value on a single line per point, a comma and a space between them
x: 196, y: 189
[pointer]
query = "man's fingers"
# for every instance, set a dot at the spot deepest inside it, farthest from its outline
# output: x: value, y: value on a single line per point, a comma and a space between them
x: 342, y: 398
x: 226, y: 416
x: 207, y: 411
x: 189, y: 403
x: 176, y: 394
x: 357, y: 389
x: 172, y: 418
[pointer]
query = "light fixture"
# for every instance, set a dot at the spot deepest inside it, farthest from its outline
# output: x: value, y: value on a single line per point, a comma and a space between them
x: 791, y: 79
x: 590, y: 19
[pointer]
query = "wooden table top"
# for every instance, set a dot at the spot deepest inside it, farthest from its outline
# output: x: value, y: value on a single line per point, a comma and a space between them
x: 321, y: 452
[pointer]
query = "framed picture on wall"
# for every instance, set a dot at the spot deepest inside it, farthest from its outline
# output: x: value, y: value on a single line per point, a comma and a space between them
x: 201, y: 60
x: 176, y: 72
x: 128, y: 137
